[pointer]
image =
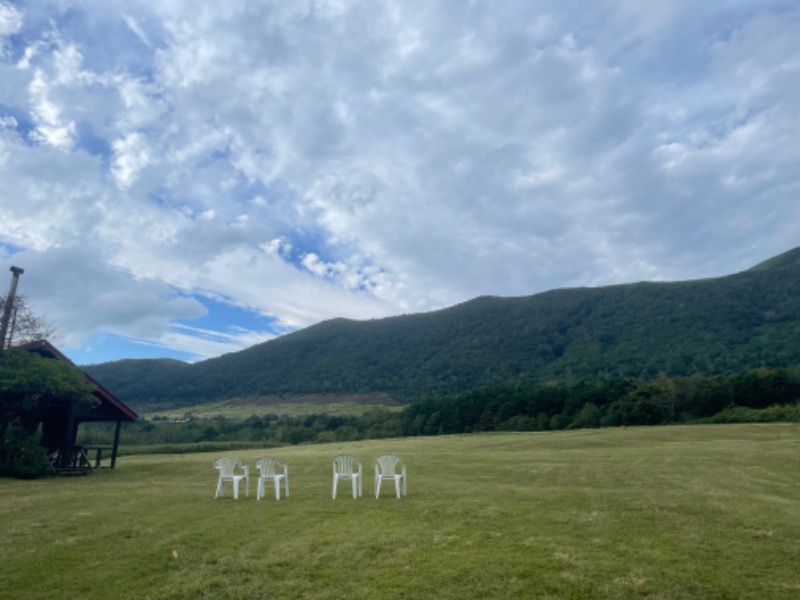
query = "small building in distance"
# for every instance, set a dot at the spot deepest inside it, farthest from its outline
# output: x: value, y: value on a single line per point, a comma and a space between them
x: 60, y: 423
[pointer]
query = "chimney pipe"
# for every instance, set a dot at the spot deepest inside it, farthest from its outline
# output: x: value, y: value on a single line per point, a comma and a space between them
x: 12, y: 292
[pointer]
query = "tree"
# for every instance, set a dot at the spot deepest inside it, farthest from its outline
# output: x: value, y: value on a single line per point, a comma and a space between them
x: 25, y: 325
x: 29, y: 385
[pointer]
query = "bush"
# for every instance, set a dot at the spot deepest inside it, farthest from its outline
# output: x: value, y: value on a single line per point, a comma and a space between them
x: 742, y: 414
x: 22, y: 455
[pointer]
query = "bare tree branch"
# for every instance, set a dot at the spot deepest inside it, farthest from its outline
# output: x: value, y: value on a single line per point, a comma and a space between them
x: 26, y: 326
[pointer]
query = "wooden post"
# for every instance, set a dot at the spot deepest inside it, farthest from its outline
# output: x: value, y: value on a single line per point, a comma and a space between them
x: 68, y: 443
x: 116, y: 445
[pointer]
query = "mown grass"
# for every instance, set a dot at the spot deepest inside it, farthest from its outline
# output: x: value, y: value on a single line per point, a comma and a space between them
x: 708, y: 511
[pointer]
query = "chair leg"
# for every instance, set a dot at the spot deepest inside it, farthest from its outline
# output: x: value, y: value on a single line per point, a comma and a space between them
x: 397, y: 486
x: 377, y: 487
x: 335, y: 482
x: 277, y: 488
x: 235, y: 485
x: 355, y: 486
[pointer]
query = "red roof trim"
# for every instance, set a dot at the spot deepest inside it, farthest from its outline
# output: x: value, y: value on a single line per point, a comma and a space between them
x: 47, y: 347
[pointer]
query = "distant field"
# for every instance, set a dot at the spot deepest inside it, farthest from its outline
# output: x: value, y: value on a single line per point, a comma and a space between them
x: 687, y: 512
x: 299, y: 406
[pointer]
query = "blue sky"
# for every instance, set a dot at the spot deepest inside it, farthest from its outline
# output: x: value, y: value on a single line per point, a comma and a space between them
x: 185, y: 179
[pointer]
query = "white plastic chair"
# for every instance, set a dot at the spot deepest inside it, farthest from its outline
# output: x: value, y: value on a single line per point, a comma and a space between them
x: 347, y: 466
x: 268, y: 468
x: 390, y: 466
x: 227, y: 467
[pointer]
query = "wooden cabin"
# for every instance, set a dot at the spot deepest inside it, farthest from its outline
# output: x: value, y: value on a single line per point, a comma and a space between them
x: 60, y: 423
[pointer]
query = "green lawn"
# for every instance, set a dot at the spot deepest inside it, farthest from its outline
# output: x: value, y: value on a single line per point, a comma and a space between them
x: 666, y: 512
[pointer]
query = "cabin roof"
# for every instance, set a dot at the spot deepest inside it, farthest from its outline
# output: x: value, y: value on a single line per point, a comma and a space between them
x: 46, y: 349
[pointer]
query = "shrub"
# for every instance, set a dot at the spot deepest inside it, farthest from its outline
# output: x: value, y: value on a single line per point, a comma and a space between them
x: 22, y: 455
x: 771, y: 414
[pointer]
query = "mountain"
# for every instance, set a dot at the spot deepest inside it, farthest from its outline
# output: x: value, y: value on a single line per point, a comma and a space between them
x: 711, y: 326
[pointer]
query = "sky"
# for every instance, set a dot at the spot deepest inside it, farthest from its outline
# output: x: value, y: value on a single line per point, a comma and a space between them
x: 185, y: 179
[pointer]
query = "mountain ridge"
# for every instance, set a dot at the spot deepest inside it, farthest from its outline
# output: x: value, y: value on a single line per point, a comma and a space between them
x: 713, y: 326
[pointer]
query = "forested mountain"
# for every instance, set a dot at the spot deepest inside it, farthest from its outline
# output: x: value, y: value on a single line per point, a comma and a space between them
x: 710, y: 326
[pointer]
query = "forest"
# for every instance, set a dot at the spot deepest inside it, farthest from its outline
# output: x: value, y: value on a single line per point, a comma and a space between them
x: 718, y: 326
x: 750, y: 396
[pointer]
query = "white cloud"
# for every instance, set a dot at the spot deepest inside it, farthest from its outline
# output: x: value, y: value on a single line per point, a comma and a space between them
x: 137, y: 29
x: 11, y: 20
x: 203, y: 344
x: 314, y: 160
x: 51, y: 127
x: 131, y: 155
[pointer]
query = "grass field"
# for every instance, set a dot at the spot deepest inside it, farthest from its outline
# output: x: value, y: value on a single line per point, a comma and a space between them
x: 298, y: 406
x: 659, y: 513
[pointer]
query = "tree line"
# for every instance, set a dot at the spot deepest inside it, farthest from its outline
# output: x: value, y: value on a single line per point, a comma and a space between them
x: 753, y: 395
x: 264, y: 431
x: 616, y: 402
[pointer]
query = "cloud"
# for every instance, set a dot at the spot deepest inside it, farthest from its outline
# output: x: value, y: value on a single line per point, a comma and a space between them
x: 10, y: 19
x: 304, y: 161
x: 131, y: 155
x: 75, y: 287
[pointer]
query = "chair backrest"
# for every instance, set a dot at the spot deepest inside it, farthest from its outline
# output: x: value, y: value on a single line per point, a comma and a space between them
x: 227, y: 465
x: 268, y: 466
x: 388, y: 464
x: 346, y: 464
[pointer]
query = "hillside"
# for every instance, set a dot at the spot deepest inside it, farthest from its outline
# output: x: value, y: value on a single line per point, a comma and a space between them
x: 713, y: 326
